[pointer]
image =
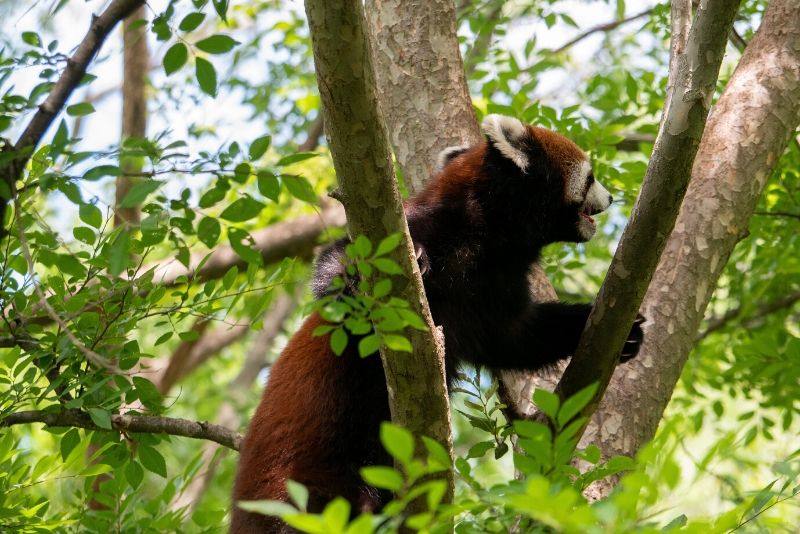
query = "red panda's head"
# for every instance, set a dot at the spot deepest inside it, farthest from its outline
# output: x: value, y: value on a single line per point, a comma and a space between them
x: 545, y: 177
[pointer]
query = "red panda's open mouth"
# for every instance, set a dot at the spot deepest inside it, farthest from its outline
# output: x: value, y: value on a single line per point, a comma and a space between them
x: 586, y: 216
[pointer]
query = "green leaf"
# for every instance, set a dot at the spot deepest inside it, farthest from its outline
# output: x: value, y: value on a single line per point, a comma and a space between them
x: 479, y: 449
x: 396, y: 342
x: 208, y: 231
x: 101, y: 171
x: 95, y: 469
x: 382, y: 288
x: 363, y: 246
x: 242, y: 209
x: 437, y: 454
x: 134, y: 474
x: 217, y: 44
x: 273, y: 508
x: 79, y: 110
x: 268, y: 185
x: 242, y: 243
x: 91, y: 215
x: 139, y: 193
x: 69, y: 441
x: 152, y: 460
x: 206, y: 76
x: 387, y: 266
x: 221, y: 7
x: 388, y: 244
x: 191, y: 22
x: 547, y: 402
x: 101, y: 417
x: 295, y: 158
x: 573, y: 405
x: 259, y: 146
x: 299, y: 188
x: 368, y: 345
x: 398, y: 442
x: 212, y: 196
x: 338, y: 341
x: 298, y: 493
x: 147, y: 392
x: 32, y: 38
x: 118, y: 253
x: 71, y: 266
x: 336, y: 514
x: 382, y: 477
x: 175, y: 58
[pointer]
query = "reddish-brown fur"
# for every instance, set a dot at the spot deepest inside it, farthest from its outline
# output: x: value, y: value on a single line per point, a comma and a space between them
x: 293, y: 434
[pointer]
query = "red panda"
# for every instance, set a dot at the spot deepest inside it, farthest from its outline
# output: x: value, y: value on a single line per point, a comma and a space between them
x: 477, y: 227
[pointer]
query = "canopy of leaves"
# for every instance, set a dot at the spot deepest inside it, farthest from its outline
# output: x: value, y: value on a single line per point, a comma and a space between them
x: 94, y: 316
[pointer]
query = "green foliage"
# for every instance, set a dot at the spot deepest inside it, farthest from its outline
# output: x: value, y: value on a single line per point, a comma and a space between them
x: 359, y: 303
x: 724, y: 458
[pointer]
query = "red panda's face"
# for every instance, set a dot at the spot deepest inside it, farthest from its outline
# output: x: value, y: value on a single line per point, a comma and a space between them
x: 577, y: 196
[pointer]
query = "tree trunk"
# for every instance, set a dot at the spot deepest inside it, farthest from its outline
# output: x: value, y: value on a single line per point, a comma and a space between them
x: 746, y: 134
x: 136, y: 61
x: 415, y: 381
x: 423, y: 95
x: 656, y: 208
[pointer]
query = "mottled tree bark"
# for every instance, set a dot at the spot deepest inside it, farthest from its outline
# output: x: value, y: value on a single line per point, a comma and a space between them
x: 656, y: 208
x: 748, y: 130
x: 422, y: 90
x: 415, y: 381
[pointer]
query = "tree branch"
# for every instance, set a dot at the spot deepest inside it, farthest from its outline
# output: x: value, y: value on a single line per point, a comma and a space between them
x: 99, y: 30
x: 751, y: 125
x: 297, y: 237
x: 130, y: 423
x: 714, y: 324
x: 657, y: 206
x: 607, y: 27
x: 364, y: 169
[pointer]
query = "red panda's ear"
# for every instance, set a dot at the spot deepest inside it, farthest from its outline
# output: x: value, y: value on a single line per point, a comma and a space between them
x: 507, y: 135
x: 447, y: 155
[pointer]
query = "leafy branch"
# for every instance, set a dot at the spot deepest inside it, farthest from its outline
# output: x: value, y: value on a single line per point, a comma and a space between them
x: 48, y: 110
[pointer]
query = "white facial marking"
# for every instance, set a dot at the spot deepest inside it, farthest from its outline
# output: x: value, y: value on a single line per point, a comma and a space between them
x: 446, y: 155
x: 576, y: 181
x: 597, y: 198
x: 505, y: 133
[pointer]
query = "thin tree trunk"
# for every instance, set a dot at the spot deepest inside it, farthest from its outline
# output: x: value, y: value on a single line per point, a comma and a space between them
x: 136, y: 61
x: 747, y: 132
x: 415, y: 381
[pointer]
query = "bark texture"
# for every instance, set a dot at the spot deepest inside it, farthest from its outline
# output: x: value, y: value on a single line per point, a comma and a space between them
x: 423, y: 93
x: 415, y: 381
x: 748, y: 130
x: 656, y: 208
x: 130, y: 423
x: 136, y: 60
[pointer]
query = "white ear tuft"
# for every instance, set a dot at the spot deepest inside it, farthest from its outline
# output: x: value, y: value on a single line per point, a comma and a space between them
x: 506, y: 133
x: 446, y: 155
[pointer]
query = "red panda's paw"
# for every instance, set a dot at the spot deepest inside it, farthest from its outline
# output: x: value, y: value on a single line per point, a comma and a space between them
x: 634, y: 341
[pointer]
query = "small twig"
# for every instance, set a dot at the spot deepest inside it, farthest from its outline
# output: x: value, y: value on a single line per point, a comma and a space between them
x: 787, y: 214
x: 777, y: 501
x: 91, y: 355
x: 608, y: 26
x: 764, y: 309
x: 130, y: 423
